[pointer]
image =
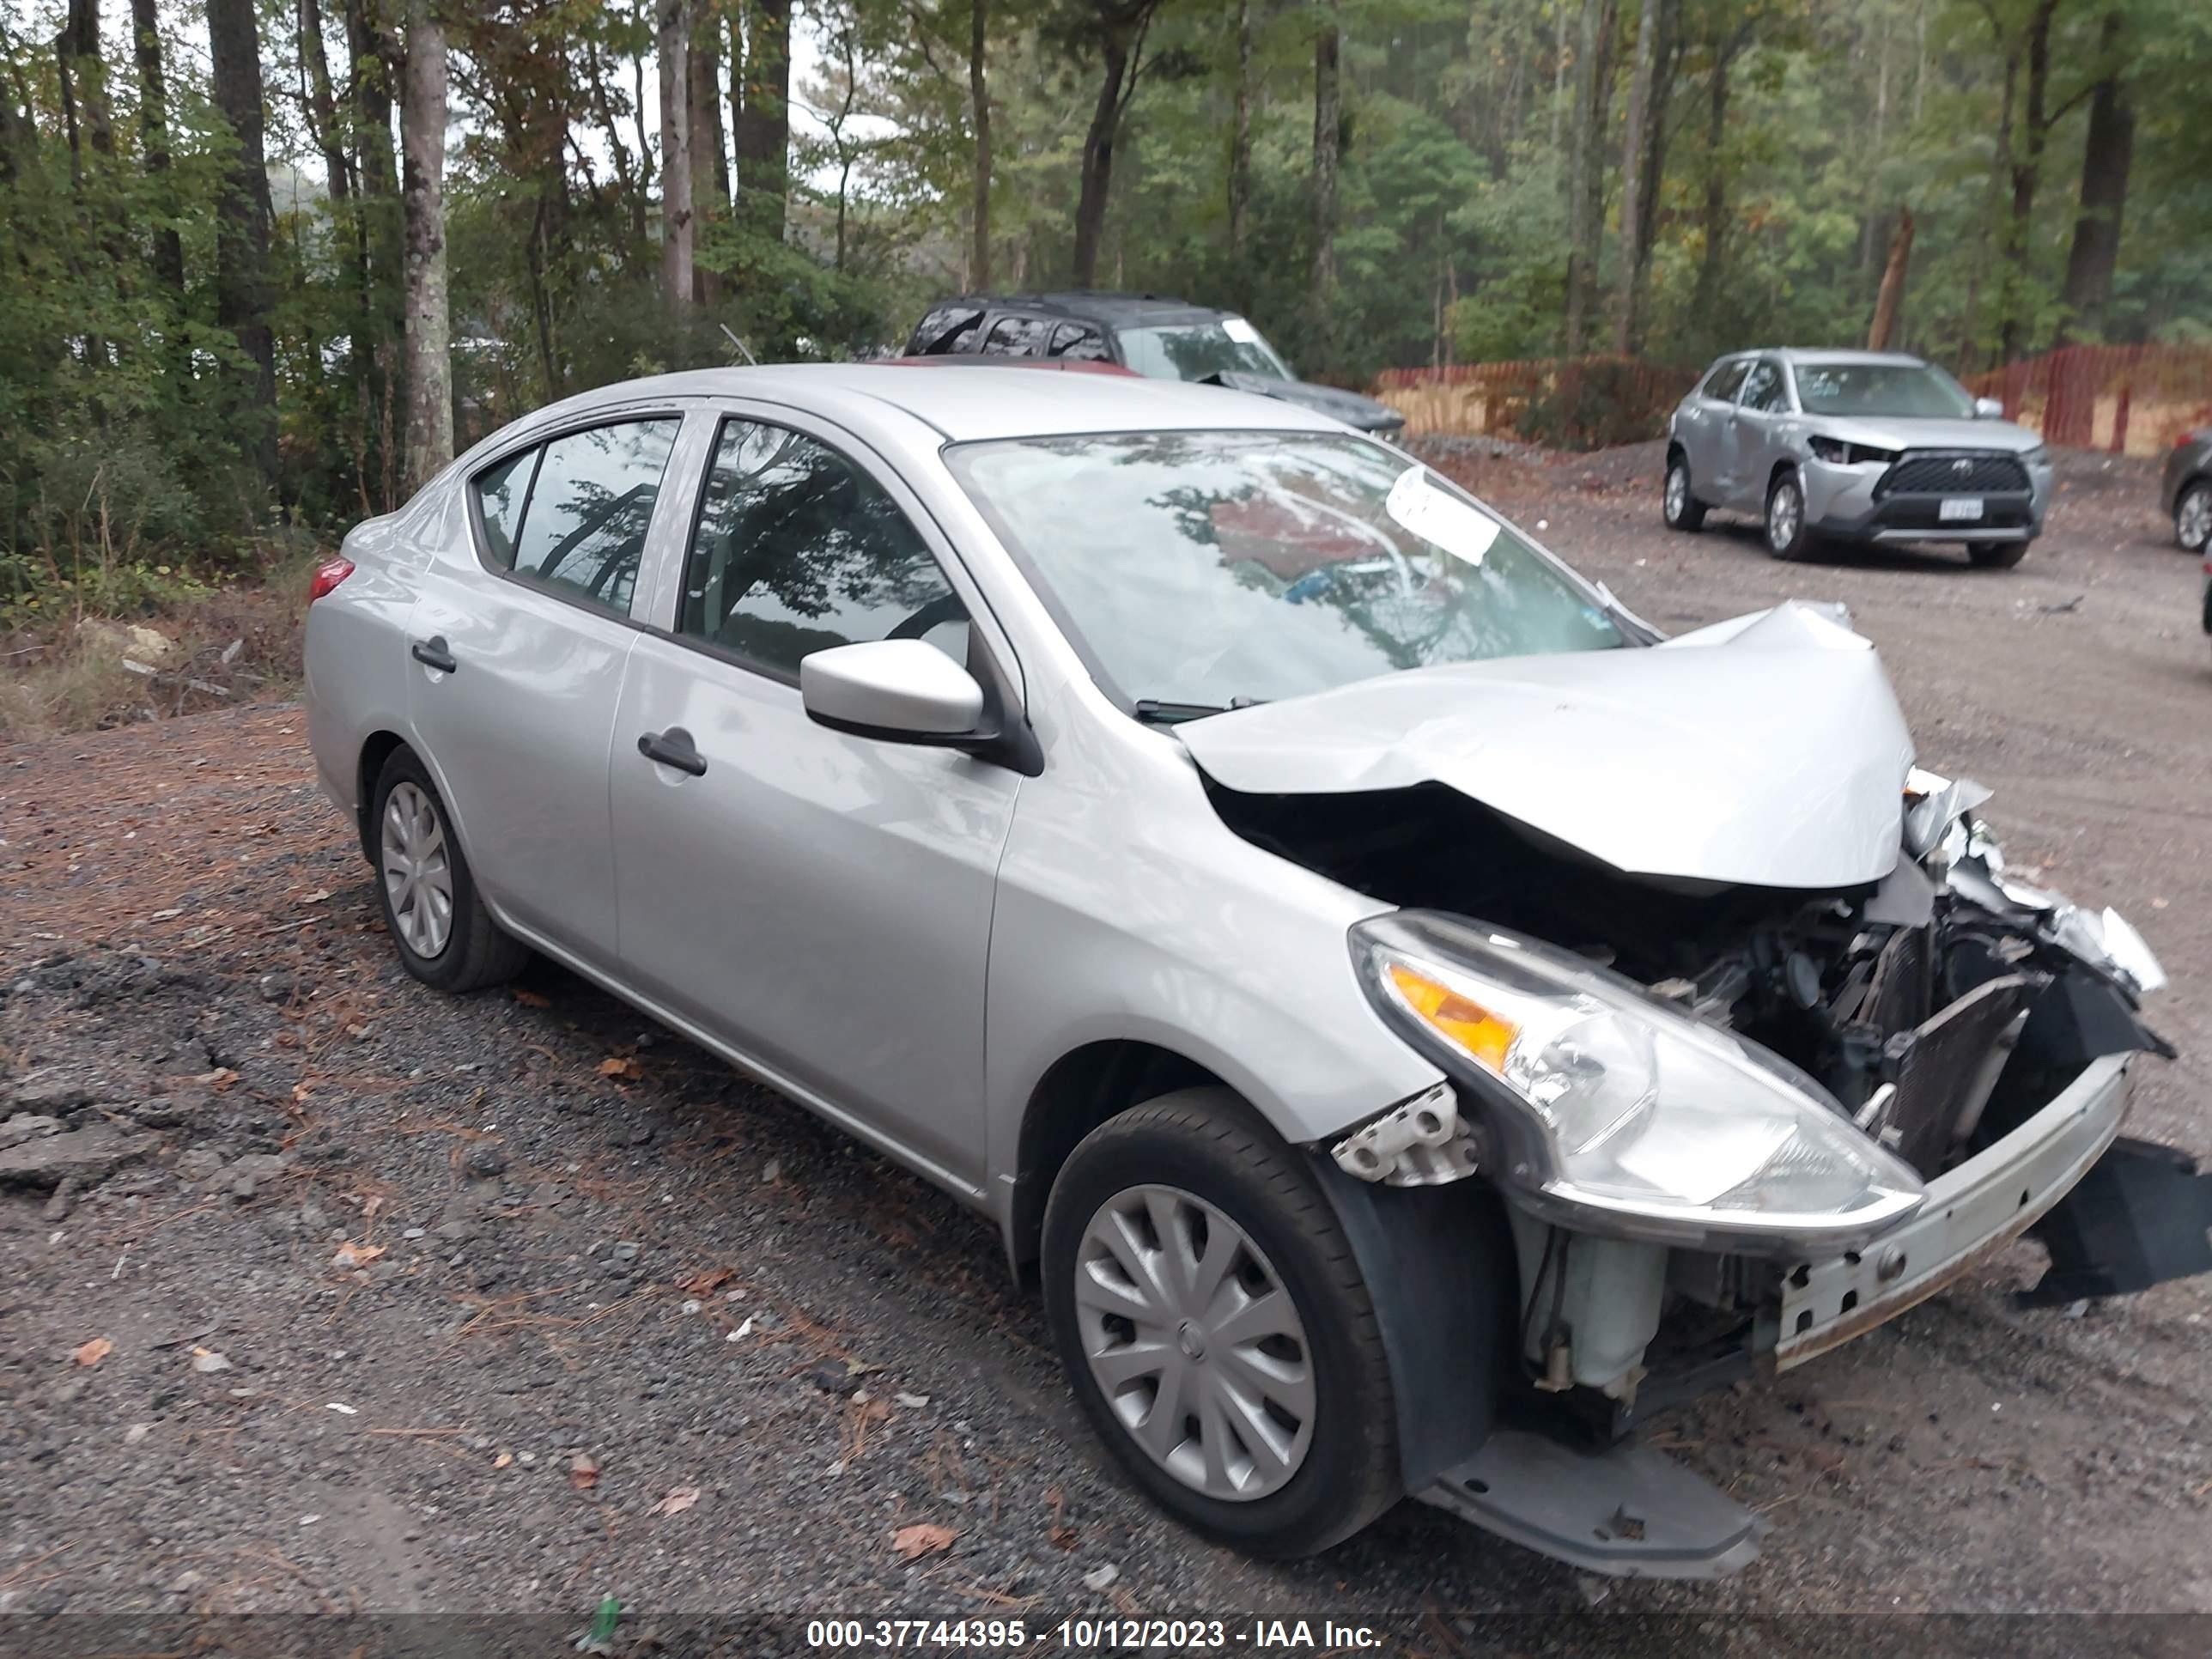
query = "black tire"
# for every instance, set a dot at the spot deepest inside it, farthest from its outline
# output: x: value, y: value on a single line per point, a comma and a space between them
x: 1209, y: 1143
x: 1799, y: 542
x: 1680, y: 509
x: 1996, y: 555
x: 476, y: 951
x: 2192, y: 516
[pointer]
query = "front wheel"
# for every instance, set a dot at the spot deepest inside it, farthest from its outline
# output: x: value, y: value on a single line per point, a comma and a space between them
x: 1214, y: 1325
x: 2192, y: 517
x: 1996, y: 555
x: 1787, y: 536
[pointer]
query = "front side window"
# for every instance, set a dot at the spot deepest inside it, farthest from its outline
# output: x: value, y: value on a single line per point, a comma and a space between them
x: 1907, y: 390
x: 1197, y: 351
x: 572, y: 515
x: 797, y: 549
x: 1017, y: 336
x: 1205, y: 570
x: 1763, y: 390
x: 1722, y: 382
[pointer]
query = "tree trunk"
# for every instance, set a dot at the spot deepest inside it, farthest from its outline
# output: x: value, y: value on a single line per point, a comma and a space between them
x: 154, y: 138
x: 979, y: 101
x: 241, y: 239
x: 675, y: 43
x: 423, y: 196
x: 710, y: 164
x: 1098, y: 157
x: 1240, y: 153
x: 1586, y: 174
x: 2027, y: 172
x: 1633, y: 139
x: 763, y: 135
x: 1713, y: 213
x: 322, y: 102
x: 626, y: 178
x: 1891, y: 299
x: 1327, y: 133
x: 2105, y: 160
x: 84, y: 76
x: 1655, y: 165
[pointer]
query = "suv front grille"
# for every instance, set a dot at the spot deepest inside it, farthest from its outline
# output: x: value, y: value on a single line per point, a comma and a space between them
x: 1954, y: 475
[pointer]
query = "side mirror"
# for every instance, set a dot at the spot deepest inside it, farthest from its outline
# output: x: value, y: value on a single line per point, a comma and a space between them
x: 1988, y: 408
x: 900, y: 690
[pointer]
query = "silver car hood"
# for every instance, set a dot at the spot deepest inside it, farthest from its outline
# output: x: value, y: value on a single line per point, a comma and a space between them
x: 1901, y: 432
x: 1767, y: 750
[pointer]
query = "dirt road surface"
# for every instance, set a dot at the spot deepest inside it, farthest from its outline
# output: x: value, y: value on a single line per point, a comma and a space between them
x: 361, y: 1300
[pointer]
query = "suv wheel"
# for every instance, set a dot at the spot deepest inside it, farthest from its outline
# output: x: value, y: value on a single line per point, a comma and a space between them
x: 2192, y: 516
x: 444, y: 935
x: 1215, y: 1327
x: 1680, y: 505
x: 1787, y: 538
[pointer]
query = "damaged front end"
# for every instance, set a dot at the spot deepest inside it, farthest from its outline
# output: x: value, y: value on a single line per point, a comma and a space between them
x: 1736, y: 1126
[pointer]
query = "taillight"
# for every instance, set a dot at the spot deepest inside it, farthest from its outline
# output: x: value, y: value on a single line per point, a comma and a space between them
x: 328, y: 575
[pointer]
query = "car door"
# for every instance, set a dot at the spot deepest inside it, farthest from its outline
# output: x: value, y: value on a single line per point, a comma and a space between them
x: 818, y: 902
x: 1702, y: 422
x: 518, y: 662
x: 1750, y: 434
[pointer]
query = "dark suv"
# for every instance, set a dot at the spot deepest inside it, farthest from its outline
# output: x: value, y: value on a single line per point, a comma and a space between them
x: 1167, y: 339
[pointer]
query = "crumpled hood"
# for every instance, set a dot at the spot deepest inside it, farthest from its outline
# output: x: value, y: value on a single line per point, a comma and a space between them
x: 1350, y: 407
x: 1768, y: 751
x: 1900, y: 432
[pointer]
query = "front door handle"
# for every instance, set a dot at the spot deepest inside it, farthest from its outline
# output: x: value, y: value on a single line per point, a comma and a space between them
x: 432, y: 653
x: 673, y: 748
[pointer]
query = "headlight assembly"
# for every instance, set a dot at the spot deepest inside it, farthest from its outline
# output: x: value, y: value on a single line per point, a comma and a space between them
x: 1618, y: 1114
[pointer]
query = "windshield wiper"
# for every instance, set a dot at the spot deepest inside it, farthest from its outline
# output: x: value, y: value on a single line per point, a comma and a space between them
x: 1155, y: 711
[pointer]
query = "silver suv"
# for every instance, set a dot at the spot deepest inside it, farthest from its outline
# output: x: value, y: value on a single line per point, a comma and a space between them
x: 1855, y: 447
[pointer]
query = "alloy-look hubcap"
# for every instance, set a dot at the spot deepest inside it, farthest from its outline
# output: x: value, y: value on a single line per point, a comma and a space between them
x: 1195, y: 1341
x: 1783, y: 515
x: 1678, y: 492
x: 418, y: 871
x: 2194, y: 520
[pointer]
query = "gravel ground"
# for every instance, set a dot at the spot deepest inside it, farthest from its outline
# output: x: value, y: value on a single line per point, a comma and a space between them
x: 354, y: 1299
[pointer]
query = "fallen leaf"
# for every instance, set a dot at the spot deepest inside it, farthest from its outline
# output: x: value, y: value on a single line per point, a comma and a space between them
x: 1062, y: 1535
x: 92, y: 1352
x: 705, y: 1281
x: 356, y: 1256
x: 583, y: 1472
x: 681, y: 1498
x: 924, y: 1538
x: 317, y: 896
x: 531, y: 1000
x: 502, y: 1460
x: 219, y: 1079
x: 616, y: 1065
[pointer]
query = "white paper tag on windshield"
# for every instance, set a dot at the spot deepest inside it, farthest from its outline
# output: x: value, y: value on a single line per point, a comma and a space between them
x: 1240, y: 331
x: 1451, y: 524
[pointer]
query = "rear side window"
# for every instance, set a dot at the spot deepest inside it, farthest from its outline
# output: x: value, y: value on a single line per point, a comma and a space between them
x: 947, y: 329
x: 1017, y: 336
x: 797, y: 549
x: 572, y: 515
x: 1722, y: 382
x: 1763, y: 390
x: 1080, y: 343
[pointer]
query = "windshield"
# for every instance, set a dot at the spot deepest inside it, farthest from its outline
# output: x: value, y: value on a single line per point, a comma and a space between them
x: 1192, y: 351
x: 1906, y: 389
x: 1200, y: 570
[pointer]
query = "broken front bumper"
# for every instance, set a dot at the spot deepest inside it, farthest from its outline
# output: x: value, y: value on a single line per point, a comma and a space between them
x: 1971, y: 1213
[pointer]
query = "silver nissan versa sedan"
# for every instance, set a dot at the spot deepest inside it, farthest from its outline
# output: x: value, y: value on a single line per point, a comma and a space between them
x: 1414, y: 1022
x: 1860, y: 447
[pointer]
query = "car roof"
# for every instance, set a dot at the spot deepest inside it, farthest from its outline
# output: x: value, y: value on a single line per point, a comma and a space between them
x: 1808, y: 355
x: 981, y: 403
x: 1103, y: 306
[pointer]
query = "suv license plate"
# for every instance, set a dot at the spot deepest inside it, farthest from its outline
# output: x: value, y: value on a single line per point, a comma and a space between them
x: 1955, y: 508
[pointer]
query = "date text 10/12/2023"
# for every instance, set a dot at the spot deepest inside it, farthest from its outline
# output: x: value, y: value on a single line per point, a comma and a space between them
x: 1258, y: 1636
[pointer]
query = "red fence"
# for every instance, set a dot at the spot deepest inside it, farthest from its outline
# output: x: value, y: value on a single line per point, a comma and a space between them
x: 2130, y: 399
x: 1576, y: 403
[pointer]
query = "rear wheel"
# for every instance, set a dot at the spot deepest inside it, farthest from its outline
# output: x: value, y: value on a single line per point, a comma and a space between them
x: 1680, y: 505
x: 1787, y: 538
x: 2192, y: 516
x: 1215, y: 1327
x: 1996, y: 555
x: 437, y: 924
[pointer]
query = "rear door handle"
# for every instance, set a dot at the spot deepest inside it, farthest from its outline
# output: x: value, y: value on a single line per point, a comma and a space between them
x: 673, y: 748
x: 432, y: 653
